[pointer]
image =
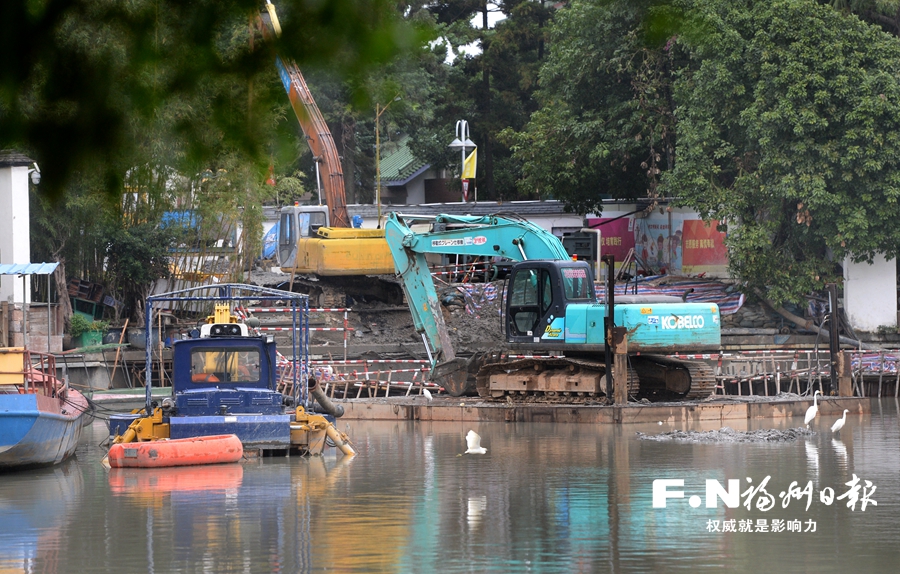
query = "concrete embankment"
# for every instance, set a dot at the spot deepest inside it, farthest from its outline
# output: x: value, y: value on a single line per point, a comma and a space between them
x: 723, y: 410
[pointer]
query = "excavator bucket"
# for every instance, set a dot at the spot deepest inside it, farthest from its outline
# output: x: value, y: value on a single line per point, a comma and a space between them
x: 453, y: 375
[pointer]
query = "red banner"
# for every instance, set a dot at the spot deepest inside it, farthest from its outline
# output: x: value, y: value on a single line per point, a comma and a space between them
x: 704, y: 247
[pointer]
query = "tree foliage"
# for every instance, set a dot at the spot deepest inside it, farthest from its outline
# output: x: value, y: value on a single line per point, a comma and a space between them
x: 90, y: 77
x: 788, y: 131
x: 605, y: 126
x: 777, y: 119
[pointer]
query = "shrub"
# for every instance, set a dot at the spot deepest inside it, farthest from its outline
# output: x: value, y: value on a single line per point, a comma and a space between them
x: 79, y: 325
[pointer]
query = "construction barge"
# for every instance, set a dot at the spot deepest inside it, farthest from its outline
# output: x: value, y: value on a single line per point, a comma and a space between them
x: 228, y: 383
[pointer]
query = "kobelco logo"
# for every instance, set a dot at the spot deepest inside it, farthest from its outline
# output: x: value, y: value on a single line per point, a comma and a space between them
x: 682, y: 322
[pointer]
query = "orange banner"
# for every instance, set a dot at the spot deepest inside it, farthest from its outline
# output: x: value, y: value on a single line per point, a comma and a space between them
x: 703, y: 247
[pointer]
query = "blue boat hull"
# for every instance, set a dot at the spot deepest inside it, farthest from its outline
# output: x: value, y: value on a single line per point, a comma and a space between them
x: 32, y: 434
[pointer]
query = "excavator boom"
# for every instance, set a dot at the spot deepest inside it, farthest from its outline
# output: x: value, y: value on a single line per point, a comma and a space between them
x: 319, y: 239
x: 318, y: 136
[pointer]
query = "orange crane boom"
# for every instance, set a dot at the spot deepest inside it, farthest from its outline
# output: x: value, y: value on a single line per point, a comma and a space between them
x: 316, y: 131
x: 318, y: 136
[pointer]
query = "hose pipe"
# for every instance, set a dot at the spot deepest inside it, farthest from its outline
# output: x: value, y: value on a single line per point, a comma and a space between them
x: 337, y: 411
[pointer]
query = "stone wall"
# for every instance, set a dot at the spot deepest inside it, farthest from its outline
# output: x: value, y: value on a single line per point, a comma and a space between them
x: 754, y: 316
x: 35, y: 327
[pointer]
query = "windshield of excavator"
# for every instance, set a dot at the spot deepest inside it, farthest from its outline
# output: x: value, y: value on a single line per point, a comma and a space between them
x: 577, y: 283
x: 225, y: 365
x: 316, y: 220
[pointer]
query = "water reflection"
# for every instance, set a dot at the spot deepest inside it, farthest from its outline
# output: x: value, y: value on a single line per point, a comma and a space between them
x: 812, y: 459
x: 36, y: 509
x: 841, y: 452
x: 545, y: 497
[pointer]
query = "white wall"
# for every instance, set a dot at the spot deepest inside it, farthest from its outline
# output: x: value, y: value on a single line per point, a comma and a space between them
x: 870, y: 293
x: 15, y: 244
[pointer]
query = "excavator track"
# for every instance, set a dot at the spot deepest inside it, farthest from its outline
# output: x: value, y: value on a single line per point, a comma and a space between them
x: 703, y: 380
x: 577, y: 380
x: 334, y: 291
x: 546, y: 380
x: 667, y: 377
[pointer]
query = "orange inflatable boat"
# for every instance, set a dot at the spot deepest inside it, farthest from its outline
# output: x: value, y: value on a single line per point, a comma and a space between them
x: 177, y: 452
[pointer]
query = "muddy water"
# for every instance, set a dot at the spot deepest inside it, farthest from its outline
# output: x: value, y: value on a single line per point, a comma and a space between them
x: 545, y: 498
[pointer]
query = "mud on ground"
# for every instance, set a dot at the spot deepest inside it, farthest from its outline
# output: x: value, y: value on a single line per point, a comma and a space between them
x: 471, y: 313
x: 729, y: 435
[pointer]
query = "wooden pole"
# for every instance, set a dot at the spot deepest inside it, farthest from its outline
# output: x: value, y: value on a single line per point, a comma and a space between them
x: 620, y: 367
x: 118, y: 352
x: 845, y: 376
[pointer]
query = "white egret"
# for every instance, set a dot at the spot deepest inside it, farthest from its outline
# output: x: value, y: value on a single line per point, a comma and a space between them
x: 839, y: 424
x: 812, y: 411
x: 473, y: 442
x: 427, y: 393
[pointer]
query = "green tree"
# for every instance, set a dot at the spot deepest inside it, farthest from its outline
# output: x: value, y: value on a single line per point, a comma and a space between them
x: 491, y: 88
x: 788, y: 132
x: 605, y: 127
x: 777, y: 119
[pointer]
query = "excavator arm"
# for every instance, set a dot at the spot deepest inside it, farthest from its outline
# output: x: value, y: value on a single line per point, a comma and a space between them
x: 487, y: 236
x: 318, y: 136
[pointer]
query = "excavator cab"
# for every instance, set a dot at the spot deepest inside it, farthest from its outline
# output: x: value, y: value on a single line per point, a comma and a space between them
x: 298, y: 222
x: 538, y: 292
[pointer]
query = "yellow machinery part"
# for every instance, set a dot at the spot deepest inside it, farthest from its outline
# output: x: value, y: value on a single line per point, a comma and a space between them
x: 308, y: 432
x: 338, y: 251
x: 223, y: 315
x: 145, y: 429
x: 349, y: 233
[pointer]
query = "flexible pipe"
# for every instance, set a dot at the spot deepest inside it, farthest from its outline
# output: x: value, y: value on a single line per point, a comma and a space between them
x: 337, y: 411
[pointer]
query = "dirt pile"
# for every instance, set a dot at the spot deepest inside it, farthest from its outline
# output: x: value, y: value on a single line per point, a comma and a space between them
x: 471, y: 312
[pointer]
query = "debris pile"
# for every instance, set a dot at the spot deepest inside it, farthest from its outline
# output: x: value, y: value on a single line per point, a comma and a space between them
x: 727, y: 434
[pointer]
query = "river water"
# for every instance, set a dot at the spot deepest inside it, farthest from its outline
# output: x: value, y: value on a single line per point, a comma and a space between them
x: 545, y: 498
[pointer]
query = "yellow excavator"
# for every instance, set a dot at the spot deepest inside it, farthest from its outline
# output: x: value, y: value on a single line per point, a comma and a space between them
x: 319, y: 239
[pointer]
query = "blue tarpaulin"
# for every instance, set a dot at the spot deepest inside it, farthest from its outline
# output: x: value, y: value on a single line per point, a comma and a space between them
x: 270, y: 242
x: 186, y: 218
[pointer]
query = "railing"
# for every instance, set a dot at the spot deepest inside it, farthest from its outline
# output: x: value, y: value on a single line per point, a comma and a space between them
x: 372, y: 376
x: 37, y: 373
x: 768, y: 372
x: 345, y: 329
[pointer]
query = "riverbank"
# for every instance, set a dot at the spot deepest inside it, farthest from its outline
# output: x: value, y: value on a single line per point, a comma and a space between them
x: 719, y: 409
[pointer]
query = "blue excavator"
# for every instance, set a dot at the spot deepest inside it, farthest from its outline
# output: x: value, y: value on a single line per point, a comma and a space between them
x: 550, y: 308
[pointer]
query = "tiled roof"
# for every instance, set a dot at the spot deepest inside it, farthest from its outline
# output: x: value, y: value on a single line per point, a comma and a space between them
x: 398, y: 165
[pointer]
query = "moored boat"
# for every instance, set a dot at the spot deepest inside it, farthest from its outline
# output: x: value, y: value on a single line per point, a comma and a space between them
x: 177, y: 452
x: 40, y: 415
x: 227, y: 380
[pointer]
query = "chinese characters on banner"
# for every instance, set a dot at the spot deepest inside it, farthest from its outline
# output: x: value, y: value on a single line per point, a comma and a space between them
x: 665, y: 243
